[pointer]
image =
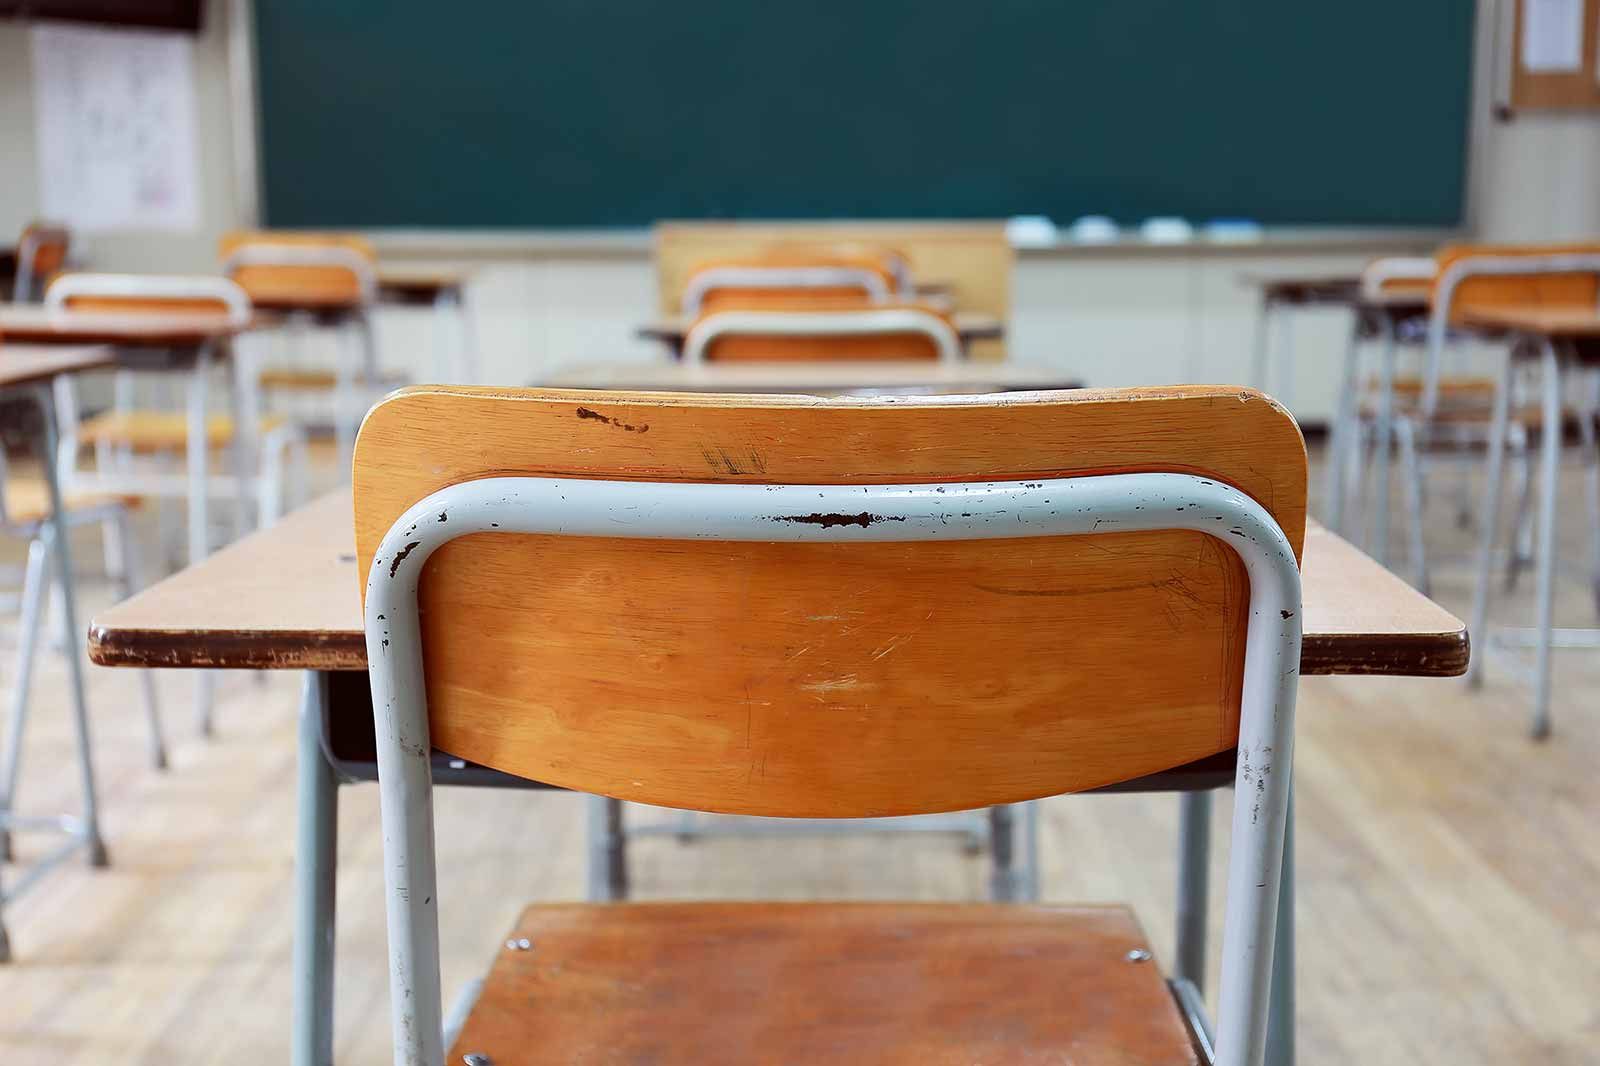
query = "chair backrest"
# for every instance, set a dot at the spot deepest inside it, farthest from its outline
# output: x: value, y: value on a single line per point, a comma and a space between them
x: 896, y: 644
x: 800, y: 283
x: 284, y: 270
x: 1398, y: 276
x: 801, y: 607
x: 41, y: 252
x: 149, y: 294
x: 1477, y: 277
x: 973, y: 259
x: 859, y: 334
x: 891, y: 260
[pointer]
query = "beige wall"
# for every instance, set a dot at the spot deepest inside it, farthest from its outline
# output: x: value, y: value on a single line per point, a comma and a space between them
x: 132, y: 250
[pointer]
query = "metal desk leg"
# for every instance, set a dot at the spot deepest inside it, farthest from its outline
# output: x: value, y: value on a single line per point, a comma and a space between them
x: 1194, y: 869
x: 1002, y: 865
x: 1258, y: 369
x: 608, y: 867
x: 70, y: 632
x: 1280, y: 1023
x: 1489, y: 519
x: 1382, y: 442
x: 199, y: 489
x: 1344, y: 424
x: 316, y: 873
x: 1549, y: 472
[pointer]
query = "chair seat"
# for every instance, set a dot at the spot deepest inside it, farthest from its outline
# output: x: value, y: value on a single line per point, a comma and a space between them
x: 317, y: 379
x: 160, y: 431
x: 28, y: 501
x: 880, y: 983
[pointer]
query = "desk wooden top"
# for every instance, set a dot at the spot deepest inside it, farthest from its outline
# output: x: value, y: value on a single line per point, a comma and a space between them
x: 418, y: 284
x: 36, y: 324
x: 1562, y: 323
x: 804, y: 377
x: 970, y: 325
x: 29, y: 364
x: 286, y: 599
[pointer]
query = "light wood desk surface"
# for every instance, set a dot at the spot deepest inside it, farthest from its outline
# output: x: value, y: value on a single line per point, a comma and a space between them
x: 36, y: 324
x: 29, y: 364
x: 970, y: 326
x: 419, y: 284
x: 286, y: 598
x: 840, y: 376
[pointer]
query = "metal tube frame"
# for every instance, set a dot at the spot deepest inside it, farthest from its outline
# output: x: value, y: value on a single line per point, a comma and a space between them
x: 1121, y: 503
x: 782, y: 277
x: 867, y: 322
x: 85, y: 830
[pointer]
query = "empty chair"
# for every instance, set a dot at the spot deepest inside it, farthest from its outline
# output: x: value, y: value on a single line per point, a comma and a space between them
x: 799, y: 282
x: 327, y: 279
x: 41, y: 252
x: 1453, y: 412
x: 860, y: 624
x: 870, y: 333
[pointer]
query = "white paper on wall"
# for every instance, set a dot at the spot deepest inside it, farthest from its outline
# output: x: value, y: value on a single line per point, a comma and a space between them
x: 115, y: 117
x: 1552, y: 35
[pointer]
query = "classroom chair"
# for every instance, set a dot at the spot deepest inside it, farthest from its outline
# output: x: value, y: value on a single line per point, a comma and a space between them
x: 324, y: 279
x: 915, y: 606
x: 135, y: 448
x: 1443, y: 414
x: 41, y: 253
x: 802, y: 283
x: 24, y: 514
x: 886, y: 333
x: 893, y: 261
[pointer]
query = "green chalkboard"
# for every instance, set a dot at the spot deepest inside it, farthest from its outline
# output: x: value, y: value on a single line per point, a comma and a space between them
x: 589, y: 113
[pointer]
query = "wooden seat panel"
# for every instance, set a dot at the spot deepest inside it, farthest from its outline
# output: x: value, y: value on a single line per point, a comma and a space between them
x: 879, y: 983
x: 28, y: 500
x: 159, y: 431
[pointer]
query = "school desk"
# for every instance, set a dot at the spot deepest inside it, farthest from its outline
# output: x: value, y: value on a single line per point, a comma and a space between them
x: 286, y: 598
x: 26, y: 372
x: 444, y: 290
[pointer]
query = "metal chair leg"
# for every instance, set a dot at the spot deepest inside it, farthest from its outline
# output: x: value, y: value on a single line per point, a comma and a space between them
x: 1520, y: 553
x: 1489, y: 520
x: 35, y: 584
x: 608, y: 860
x: 1405, y: 431
x: 1549, y: 474
x: 1002, y: 855
x: 1591, y: 464
x: 1194, y: 872
x: 132, y: 567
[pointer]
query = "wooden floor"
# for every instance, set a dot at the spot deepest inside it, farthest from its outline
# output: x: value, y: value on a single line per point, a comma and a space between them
x: 1449, y: 869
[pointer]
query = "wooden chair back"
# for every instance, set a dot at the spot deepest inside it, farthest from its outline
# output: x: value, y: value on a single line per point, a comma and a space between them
x: 280, y: 269
x: 149, y: 294
x: 828, y: 679
x: 1554, y: 288
x: 788, y: 283
x: 41, y: 253
x: 884, y: 333
x: 973, y: 258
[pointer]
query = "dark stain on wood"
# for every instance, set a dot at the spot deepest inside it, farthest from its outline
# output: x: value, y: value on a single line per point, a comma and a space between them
x: 606, y: 420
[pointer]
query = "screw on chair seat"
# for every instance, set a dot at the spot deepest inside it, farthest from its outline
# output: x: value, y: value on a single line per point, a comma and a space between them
x: 160, y: 431
x: 880, y: 983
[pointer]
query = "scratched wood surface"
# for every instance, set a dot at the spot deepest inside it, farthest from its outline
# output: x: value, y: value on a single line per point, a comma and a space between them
x: 287, y: 599
x: 874, y: 984
x: 830, y: 679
